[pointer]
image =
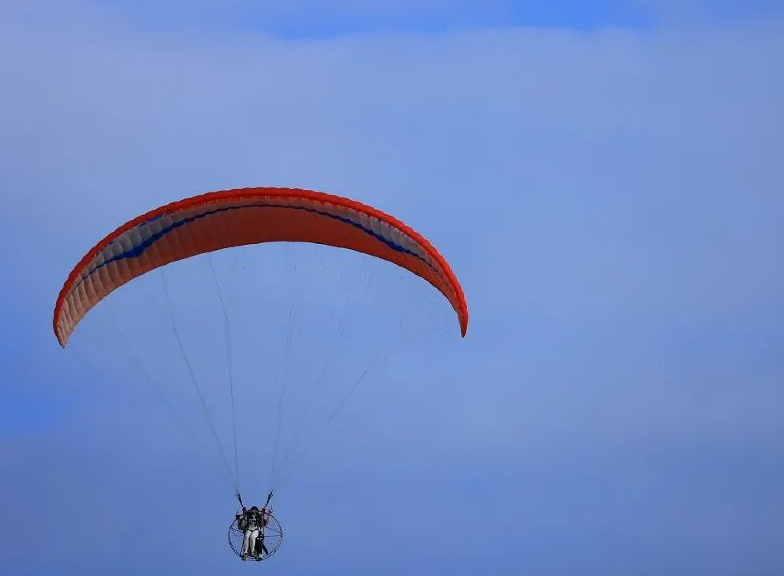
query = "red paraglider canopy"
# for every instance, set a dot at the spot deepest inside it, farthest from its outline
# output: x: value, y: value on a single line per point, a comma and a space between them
x: 239, y: 217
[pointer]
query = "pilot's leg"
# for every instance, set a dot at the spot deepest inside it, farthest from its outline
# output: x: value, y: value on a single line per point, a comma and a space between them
x: 253, y: 535
x: 246, y: 542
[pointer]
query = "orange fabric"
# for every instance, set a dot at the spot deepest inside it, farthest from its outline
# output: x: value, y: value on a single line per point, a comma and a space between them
x: 249, y: 218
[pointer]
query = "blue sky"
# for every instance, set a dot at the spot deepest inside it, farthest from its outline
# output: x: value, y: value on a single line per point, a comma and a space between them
x: 605, y: 179
x: 317, y: 19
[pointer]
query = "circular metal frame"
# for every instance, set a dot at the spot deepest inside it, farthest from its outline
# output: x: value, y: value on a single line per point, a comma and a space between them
x: 273, y: 538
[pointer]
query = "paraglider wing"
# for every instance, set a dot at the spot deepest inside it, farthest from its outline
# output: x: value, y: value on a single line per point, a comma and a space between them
x: 239, y: 217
